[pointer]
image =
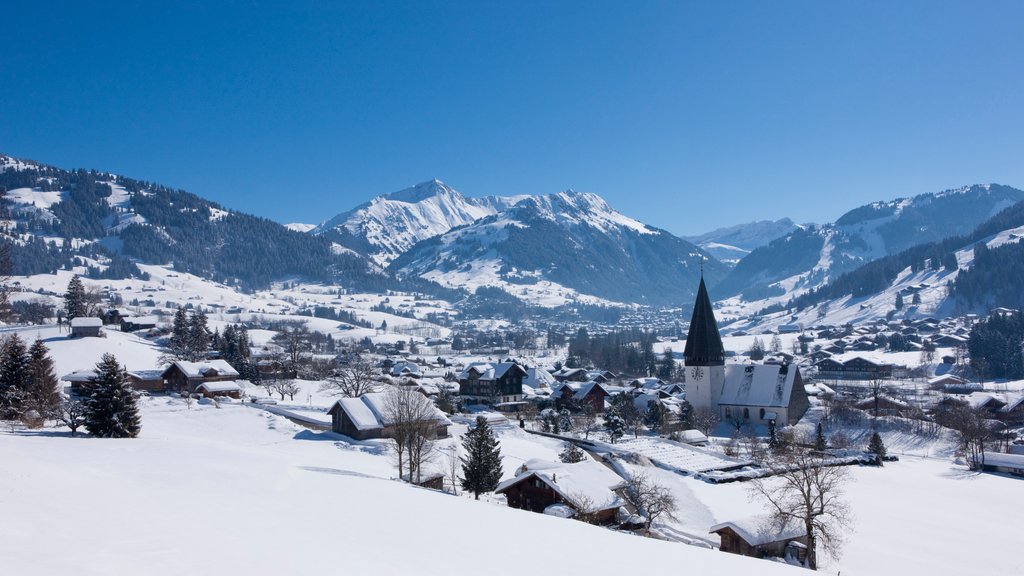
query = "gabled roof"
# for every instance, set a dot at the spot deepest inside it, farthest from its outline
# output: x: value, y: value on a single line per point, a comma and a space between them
x: 489, y: 370
x: 369, y: 411
x: 588, y: 478
x: 758, y: 385
x: 220, y: 386
x: 703, y: 342
x: 538, y: 378
x: 86, y: 322
x: 205, y: 368
x: 758, y: 530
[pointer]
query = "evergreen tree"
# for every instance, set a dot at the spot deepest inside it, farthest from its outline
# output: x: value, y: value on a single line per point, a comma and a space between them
x: 819, y: 438
x: 74, y: 299
x: 685, y: 415
x: 179, y: 334
x: 876, y: 447
x: 14, y: 376
x: 481, y: 468
x: 572, y: 454
x: 654, y: 418
x: 773, y: 435
x: 42, y: 394
x: 111, y: 411
x: 565, y: 420
x: 198, y: 337
x: 756, y: 351
x: 615, y: 426
x: 899, y: 301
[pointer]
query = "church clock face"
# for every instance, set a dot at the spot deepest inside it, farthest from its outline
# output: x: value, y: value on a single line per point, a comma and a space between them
x: 697, y: 372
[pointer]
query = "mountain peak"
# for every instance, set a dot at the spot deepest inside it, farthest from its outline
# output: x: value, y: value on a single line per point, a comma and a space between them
x: 420, y: 192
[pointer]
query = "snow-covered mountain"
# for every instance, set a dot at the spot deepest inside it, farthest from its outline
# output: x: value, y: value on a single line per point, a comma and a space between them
x: 731, y: 243
x: 388, y: 225
x: 809, y: 257
x: 564, y: 246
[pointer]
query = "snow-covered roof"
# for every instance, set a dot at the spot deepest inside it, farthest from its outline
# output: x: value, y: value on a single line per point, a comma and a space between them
x: 692, y: 436
x: 201, y: 369
x: 487, y: 370
x: 369, y: 411
x: 147, y: 374
x: 79, y: 376
x: 1007, y: 460
x: 405, y: 368
x: 758, y: 530
x: 220, y: 386
x: 86, y: 322
x: 538, y: 378
x: 588, y: 478
x: 757, y: 385
x: 946, y: 379
x: 154, y: 320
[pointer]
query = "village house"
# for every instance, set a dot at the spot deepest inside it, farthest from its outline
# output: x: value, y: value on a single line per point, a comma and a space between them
x: 760, y: 537
x: 856, y: 368
x: 499, y: 384
x: 540, y: 485
x: 85, y: 326
x: 576, y: 394
x: 148, y: 380
x: 132, y: 324
x: 367, y: 417
x: 570, y: 375
x: 405, y: 370
x: 185, y: 377
x: 222, y: 388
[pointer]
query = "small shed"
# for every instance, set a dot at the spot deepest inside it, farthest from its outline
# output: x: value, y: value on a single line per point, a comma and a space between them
x: 538, y: 485
x: 1005, y: 463
x: 84, y: 327
x: 228, y: 388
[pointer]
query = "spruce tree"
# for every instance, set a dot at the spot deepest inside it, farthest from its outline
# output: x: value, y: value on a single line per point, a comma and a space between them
x: 481, y: 468
x: 198, y: 337
x: 615, y: 425
x: 43, y: 395
x: 819, y: 438
x: 773, y: 435
x: 111, y: 412
x: 14, y: 376
x: 179, y: 334
x: 572, y: 454
x: 876, y: 447
x: 74, y: 299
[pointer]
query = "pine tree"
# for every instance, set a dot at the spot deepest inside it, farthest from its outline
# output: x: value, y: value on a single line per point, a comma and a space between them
x: 685, y: 415
x: 876, y: 447
x: 481, y: 468
x: 111, y: 411
x: 74, y: 299
x: 42, y: 393
x: 819, y: 438
x: 572, y: 454
x: 899, y: 301
x: 654, y: 418
x: 14, y: 376
x: 773, y: 435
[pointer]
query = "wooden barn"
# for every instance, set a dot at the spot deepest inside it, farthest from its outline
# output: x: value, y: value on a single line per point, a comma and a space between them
x: 540, y: 485
x: 760, y: 537
x: 366, y: 417
x: 84, y: 327
x: 185, y: 376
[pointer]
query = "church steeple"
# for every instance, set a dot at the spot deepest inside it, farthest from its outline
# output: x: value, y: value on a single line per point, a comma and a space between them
x: 703, y: 343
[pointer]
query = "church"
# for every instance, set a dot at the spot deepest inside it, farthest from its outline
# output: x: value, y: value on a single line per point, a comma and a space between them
x: 739, y: 393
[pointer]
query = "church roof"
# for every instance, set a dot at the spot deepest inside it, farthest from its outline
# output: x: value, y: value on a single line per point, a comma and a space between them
x: 703, y: 343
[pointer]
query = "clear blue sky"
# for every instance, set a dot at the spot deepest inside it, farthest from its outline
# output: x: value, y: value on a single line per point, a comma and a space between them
x: 686, y: 115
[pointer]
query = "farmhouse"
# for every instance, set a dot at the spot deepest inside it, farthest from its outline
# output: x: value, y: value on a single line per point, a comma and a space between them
x: 367, y: 417
x: 148, y: 380
x: 592, y: 394
x: 82, y: 327
x: 496, y: 383
x: 229, y: 388
x: 760, y: 536
x: 131, y: 324
x: 539, y: 484
x: 185, y: 376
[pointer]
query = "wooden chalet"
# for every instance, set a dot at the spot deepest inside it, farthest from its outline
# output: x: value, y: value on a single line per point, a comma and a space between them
x: 85, y: 327
x: 496, y: 383
x: 540, y: 485
x: 761, y: 537
x: 185, y: 377
x: 366, y: 417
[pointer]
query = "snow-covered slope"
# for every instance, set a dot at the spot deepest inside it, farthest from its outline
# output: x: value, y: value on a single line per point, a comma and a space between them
x: 548, y: 249
x: 388, y: 225
x: 731, y: 243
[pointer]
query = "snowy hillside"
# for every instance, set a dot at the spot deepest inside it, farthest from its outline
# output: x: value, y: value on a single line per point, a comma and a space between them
x: 550, y: 248
x: 388, y: 225
x: 731, y: 243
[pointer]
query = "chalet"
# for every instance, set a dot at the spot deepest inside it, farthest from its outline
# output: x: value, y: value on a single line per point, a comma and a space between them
x: 887, y: 405
x: 498, y: 383
x: 115, y: 315
x: 570, y: 375
x: 1013, y: 412
x: 539, y: 485
x: 218, y: 389
x: 592, y: 394
x: 185, y: 376
x: 761, y: 537
x: 944, y: 381
x: 83, y: 327
x: 80, y: 380
x: 148, y: 380
x: 648, y: 383
x: 405, y: 370
x: 367, y: 417
x: 131, y: 324
x: 537, y: 377
x: 856, y: 368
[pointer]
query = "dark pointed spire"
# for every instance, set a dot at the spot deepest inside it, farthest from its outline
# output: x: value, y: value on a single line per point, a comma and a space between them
x: 703, y: 343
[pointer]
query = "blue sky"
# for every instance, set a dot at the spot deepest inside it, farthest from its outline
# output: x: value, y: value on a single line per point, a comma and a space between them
x: 686, y: 115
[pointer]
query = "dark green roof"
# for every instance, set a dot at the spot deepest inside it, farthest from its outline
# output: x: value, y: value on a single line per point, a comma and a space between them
x: 703, y: 343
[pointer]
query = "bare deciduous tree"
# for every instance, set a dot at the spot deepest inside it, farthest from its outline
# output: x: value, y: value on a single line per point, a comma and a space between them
x: 584, y: 507
x: 705, y: 419
x: 71, y: 413
x: 973, y: 432
x: 285, y: 387
x: 353, y: 380
x: 650, y: 499
x: 412, y: 422
x: 808, y: 492
x: 875, y: 389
